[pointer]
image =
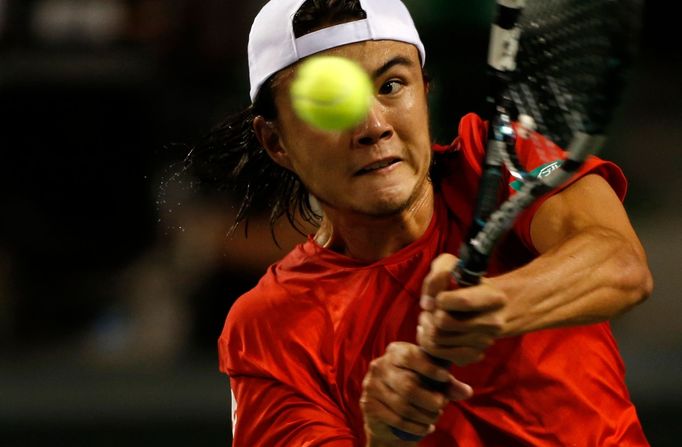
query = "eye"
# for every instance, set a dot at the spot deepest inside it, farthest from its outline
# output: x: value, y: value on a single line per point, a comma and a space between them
x: 391, y: 87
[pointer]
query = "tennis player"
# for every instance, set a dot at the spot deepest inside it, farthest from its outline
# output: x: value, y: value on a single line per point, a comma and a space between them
x: 326, y: 349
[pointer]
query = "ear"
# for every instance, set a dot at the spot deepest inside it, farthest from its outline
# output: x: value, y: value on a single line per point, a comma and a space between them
x: 270, y: 139
x: 427, y: 83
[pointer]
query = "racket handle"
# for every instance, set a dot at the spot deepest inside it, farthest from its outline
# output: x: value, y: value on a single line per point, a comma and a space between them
x: 405, y: 436
x: 463, y: 278
x: 471, y: 267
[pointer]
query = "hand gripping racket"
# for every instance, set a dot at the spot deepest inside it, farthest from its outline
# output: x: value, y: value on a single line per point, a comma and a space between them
x: 558, y: 66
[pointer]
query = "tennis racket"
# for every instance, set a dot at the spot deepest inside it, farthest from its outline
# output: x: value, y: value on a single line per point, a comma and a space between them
x: 558, y: 67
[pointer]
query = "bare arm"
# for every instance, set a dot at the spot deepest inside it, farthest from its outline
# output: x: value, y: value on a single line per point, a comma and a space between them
x: 592, y: 267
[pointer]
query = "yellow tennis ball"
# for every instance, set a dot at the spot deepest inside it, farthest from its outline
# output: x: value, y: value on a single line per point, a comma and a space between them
x: 331, y: 93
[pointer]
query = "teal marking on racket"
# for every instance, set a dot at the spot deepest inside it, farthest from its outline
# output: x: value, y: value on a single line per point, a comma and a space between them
x: 539, y: 172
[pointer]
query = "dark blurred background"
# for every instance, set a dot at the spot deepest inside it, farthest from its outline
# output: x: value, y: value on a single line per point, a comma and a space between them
x: 113, y: 291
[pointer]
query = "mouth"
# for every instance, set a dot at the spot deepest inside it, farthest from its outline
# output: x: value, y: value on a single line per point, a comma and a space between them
x: 378, y: 166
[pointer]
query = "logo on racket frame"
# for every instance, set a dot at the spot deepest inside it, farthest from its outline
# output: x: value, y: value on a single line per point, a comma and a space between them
x: 541, y: 171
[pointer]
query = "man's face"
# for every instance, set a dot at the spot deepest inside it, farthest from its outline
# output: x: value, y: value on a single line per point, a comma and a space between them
x: 380, y: 167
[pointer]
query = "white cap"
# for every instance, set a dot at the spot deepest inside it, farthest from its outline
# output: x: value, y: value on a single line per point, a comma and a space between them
x: 273, y: 46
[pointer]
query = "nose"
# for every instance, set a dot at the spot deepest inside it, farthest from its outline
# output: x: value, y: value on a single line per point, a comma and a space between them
x: 374, y: 129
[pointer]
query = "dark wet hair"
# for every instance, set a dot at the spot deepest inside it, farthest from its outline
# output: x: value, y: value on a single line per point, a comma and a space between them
x: 230, y: 158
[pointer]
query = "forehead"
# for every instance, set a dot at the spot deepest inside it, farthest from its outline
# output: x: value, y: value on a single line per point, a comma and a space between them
x: 370, y: 54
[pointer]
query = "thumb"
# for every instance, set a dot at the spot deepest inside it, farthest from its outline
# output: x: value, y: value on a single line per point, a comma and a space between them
x: 439, y: 277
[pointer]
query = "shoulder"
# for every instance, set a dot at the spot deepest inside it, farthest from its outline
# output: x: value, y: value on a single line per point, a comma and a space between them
x: 470, y: 140
x: 458, y: 167
x: 284, y: 287
x: 262, y: 320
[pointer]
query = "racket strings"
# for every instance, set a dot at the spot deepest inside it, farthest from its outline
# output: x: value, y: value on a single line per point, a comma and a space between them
x: 571, y: 54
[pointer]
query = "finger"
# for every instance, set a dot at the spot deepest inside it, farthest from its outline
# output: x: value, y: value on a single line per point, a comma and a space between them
x: 472, y: 340
x: 464, y: 350
x: 460, y: 356
x: 427, y: 302
x: 410, y: 357
x: 440, y: 276
x: 407, y: 386
x: 492, y: 323
x: 428, y: 336
x: 399, y: 390
x: 426, y: 399
x: 479, y: 298
x: 458, y: 390
x: 408, y: 400
x: 381, y: 412
x: 444, y: 328
x: 433, y: 324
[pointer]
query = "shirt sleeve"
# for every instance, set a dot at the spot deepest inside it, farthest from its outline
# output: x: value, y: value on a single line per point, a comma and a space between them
x: 537, y: 155
x: 270, y: 413
x: 280, y: 384
x: 540, y: 156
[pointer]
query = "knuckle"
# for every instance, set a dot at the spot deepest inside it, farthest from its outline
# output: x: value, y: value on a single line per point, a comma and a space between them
x: 441, y: 402
x: 422, y: 338
x: 436, y: 261
x: 428, y: 279
x: 395, y: 351
x: 441, y: 319
x: 425, y: 319
x: 501, y: 297
x: 402, y: 358
x: 375, y: 367
x: 428, y: 344
x: 443, y: 263
x: 429, y: 332
x: 442, y: 299
x: 408, y: 388
x: 465, y: 302
x: 367, y: 382
x: 392, y: 347
x: 496, y: 325
x: 364, y: 402
x: 497, y: 296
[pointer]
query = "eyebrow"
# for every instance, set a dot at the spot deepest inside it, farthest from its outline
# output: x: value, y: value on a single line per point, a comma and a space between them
x: 398, y: 60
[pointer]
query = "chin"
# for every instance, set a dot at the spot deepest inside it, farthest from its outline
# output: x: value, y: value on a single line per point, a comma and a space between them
x: 397, y: 199
x: 388, y: 205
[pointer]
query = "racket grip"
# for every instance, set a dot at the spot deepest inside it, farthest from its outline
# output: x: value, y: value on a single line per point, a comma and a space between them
x: 464, y: 277
x: 470, y: 268
x: 405, y: 436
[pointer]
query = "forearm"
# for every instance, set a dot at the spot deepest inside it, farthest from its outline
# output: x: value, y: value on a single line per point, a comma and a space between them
x: 592, y: 276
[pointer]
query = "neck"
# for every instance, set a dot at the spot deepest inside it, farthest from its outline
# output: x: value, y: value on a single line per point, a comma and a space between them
x: 370, y: 238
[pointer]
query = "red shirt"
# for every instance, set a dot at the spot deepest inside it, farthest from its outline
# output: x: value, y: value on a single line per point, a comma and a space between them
x: 297, y: 346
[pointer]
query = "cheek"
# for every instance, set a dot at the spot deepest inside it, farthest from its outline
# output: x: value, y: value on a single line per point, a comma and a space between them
x: 311, y: 158
x: 414, y: 125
